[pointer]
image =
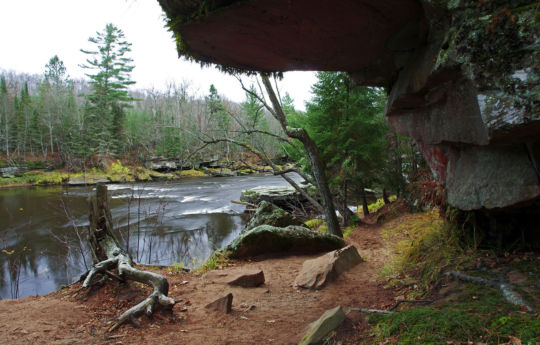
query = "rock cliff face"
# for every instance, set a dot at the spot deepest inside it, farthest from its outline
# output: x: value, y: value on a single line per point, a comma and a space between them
x: 470, y: 99
x: 463, y: 75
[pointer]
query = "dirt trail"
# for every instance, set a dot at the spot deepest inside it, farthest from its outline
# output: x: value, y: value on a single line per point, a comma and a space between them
x: 275, y: 313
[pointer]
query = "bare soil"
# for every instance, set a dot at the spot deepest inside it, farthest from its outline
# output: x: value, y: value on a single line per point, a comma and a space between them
x: 275, y: 313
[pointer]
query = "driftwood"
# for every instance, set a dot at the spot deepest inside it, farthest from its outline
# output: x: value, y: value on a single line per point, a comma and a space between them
x: 505, y: 288
x: 390, y: 311
x: 108, y: 254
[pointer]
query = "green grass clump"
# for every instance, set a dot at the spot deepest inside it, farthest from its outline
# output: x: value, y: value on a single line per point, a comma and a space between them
x: 314, y: 223
x: 218, y: 259
x: 374, y: 207
x: 424, y: 245
x: 479, y: 314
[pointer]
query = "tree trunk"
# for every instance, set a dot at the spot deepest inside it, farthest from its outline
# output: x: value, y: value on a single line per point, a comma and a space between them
x: 107, y: 253
x: 364, y: 202
x: 385, y: 196
x: 317, y: 165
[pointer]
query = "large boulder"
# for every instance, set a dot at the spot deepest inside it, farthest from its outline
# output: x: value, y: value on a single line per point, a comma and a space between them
x: 270, y: 214
x: 270, y: 239
x: 82, y: 181
x: 285, y: 197
x: 317, y: 272
x: 12, y: 171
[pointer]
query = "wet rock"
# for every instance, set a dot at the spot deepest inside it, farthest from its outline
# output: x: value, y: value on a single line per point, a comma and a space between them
x: 270, y: 239
x: 329, y: 321
x: 247, y: 278
x: 285, y: 197
x: 269, y: 214
x: 223, y: 304
x: 315, y: 273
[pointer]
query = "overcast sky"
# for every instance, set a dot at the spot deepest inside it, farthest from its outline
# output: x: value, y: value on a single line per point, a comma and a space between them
x: 32, y: 31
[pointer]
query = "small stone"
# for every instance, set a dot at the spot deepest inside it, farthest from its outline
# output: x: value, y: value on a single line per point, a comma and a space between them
x: 223, y: 304
x: 247, y: 278
x: 329, y: 320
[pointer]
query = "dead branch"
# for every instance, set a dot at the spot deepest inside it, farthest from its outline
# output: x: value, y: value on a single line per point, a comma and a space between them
x: 372, y: 311
x: 108, y: 254
x: 505, y: 288
x: 398, y: 302
x: 243, y: 203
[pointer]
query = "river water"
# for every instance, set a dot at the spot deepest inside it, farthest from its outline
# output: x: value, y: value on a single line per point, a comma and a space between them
x: 162, y: 223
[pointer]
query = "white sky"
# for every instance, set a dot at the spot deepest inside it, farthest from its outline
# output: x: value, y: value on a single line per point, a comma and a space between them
x: 32, y: 31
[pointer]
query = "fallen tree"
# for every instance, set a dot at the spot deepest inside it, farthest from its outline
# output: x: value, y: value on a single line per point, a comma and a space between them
x: 107, y: 254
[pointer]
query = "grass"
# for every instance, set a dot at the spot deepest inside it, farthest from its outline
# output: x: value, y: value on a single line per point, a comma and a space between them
x: 424, y: 245
x: 218, y: 259
x: 479, y: 314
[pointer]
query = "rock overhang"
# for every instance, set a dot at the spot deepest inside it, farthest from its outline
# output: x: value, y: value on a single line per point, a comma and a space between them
x: 371, y: 38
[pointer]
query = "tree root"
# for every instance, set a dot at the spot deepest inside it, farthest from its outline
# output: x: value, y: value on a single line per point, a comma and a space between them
x: 106, y: 248
x: 505, y: 288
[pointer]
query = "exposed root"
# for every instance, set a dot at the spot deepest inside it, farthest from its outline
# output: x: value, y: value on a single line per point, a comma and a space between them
x: 505, y: 288
x: 107, y: 248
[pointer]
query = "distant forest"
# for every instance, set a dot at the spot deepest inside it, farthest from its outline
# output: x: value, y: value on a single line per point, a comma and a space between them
x: 49, y: 117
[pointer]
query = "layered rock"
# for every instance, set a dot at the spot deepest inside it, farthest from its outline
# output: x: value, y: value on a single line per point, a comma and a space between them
x: 269, y: 214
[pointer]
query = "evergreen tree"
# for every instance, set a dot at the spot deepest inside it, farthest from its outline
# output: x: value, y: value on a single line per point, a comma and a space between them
x: 109, y: 97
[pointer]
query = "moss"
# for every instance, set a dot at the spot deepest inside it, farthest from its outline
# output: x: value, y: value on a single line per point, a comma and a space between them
x: 190, y: 173
x: 314, y: 223
x: 269, y: 239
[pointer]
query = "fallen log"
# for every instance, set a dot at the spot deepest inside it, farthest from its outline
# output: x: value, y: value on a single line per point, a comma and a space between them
x: 107, y: 254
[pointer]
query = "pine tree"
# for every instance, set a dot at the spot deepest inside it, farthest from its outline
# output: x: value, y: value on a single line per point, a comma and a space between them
x: 110, y: 81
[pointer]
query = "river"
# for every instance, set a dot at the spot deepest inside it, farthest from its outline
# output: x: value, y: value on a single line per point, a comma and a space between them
x: 164, y: 223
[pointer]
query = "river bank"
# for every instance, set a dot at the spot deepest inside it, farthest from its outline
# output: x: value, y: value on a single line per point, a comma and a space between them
x: 116, y: 172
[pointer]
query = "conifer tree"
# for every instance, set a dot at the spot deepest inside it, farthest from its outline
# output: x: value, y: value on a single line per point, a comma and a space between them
x: 110, y: 79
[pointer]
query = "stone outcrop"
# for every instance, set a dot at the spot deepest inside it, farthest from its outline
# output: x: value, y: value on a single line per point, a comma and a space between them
x: 82, y: 181
x: 12, y: 171
x: 285, y: 197
x: 329, y: 321
x: 463, y: 76
x: 270, y: 214
x: 316, y: 273
x: 266, y: 239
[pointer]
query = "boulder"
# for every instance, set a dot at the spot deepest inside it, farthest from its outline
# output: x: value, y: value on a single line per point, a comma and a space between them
x: 281, y: 196
x: 329, y: 321
x: 223, y: 304
x: 315, y: 273
x: 270, y: 214
x: 266, y: 239
x: 247, y: 278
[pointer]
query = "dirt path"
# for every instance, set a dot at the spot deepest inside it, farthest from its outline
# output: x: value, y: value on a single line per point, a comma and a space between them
x: 275, y: 313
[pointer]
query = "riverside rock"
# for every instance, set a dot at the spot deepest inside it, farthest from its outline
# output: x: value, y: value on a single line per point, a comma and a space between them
x: 247, y: 278
x: 315, y: 273
x: 270, y: 214
x: 266, y: 239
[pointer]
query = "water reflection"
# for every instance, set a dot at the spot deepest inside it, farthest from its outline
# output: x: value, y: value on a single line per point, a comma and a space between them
x: 43, y: 230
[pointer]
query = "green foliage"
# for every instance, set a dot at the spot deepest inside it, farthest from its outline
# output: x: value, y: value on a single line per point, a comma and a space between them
x: 314, y: 223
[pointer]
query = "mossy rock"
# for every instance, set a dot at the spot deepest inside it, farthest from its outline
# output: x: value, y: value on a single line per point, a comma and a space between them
x: 269, y: 214
x: 266, y: 239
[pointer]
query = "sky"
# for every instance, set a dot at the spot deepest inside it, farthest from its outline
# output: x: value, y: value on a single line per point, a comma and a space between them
x: 33, y: 31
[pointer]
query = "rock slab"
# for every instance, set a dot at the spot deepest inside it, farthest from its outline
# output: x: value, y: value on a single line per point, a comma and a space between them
x: 223, y: 304
x: 247, y: 278
x: 315, y: 273
x: 329, y: 320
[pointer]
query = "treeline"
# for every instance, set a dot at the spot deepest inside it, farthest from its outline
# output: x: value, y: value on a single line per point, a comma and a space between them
x: 49, y: 118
